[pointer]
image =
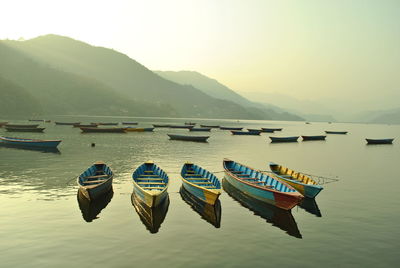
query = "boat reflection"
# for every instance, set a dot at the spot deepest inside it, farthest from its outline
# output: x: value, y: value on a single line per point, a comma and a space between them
x: 90, y: 209
x: 310, y: 205
x: 211, y: 214
x: 37, y: 149
x: 153, y: 217
x: 280, y: 218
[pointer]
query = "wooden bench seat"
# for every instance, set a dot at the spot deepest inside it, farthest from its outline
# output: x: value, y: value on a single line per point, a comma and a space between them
x: 148, y: 175
x: 197, y: 175
x: 148, y: 171
x: 149, y: 179
x: 94, y: 181
x: 151, y: 183
x: 152, y: 188
x: 97, y: 176
x: 205, y: 182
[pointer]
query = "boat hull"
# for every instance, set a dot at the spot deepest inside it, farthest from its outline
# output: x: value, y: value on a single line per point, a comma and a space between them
x: 208, y: 196
x: 150, y: 198
x: 25, y: 129
x: 98, y: 191
x: 251, y: 133
x: 314, y: 138
x: 188, y: 138
x: 336, y: 132
x: 379, y: 141
x: 29, y: 142
x: 200, y: 129
x: 95, y: 188
x: 284, y: 139
x: 231, y: 128
x: 310, y: 191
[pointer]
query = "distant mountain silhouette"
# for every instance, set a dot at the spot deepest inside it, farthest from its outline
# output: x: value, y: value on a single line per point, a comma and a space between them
x: 217, y: 90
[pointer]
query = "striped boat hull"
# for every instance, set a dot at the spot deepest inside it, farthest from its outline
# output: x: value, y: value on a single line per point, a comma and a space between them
x: 29, y: 142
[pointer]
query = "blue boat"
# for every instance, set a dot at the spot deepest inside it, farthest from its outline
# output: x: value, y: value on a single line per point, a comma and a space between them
x: 9, y: 141
x: 150, y: 184
x: 230, y: 128
x: 264, y: 187
x: 379, y: 141
x: 314, y: 138
x: 284, y: 139
x: 96, y: 181
x: 301, y: 182
x: 201, y: 183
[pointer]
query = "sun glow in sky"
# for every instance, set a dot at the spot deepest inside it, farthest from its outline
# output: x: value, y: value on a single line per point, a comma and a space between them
x: 305, y: 49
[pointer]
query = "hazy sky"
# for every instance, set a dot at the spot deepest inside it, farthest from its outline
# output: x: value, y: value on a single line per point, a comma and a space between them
x: 305, y: 48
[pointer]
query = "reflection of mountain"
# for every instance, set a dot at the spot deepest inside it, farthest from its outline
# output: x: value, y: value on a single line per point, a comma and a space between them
x: 152, y: 218
x: 43, y: 150
x: 90, y: 209
x: 280, y: 218
x: 310, y: 205
x: 210, y: 213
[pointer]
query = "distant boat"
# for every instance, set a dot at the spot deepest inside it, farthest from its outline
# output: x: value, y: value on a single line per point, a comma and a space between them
x: 106, y: 124
x: 264, y: 187
x: 200, y: 183
x: 301, y: 182
x: 39, y: 120
x: 267, y: 130
x: 3, y: 124
x: 95, y: 181
x: 308, y: 123
x: 102, y: 130
x: 21, y: 126
x: 283, y: 219
x: 139, y: 129
x: 271, y: 129
x: 152, y: 217
x: 66, y: 123
x: 230, y: 128
x: 29, y: 142
x: 379, y: 141
x: 161, y: 125
x: 85, y: 125
x: 188, y: 138
x: 91, y: 209
x: 335, y: 132
x: 284, y: 139
x: 313, y: 138
x: 210, y: 213
x: 254, y: 130
x: 200, y: 129
x: 129, y: 123
x: 210, y: 126
x: 150, y: 184
x: 24, y: 129
x: 190, y: 123
x: 181, y: 126
x: 245, y: 132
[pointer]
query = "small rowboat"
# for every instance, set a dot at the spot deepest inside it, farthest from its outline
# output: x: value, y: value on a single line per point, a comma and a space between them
x: 102, y: 130
x: 245, y: 132
x: 200, y: 183
x: 85, y: 125
x: 335, y: 132
x: 210, y: 213
x: 106, y: 124
x: 210, y: 126
x: 200, y: 129
x: 9, y: 141
x: 302, y: 183
x: 139, y: 129
x: 188, y: 138
x: 129, y: 123
x: 314, y: 138
x: 150, y: 184
x: 24, y: 129
x: 230, y: 128
x: 254, y: 130
x: 39, y: 120
x: 379, y: 141
x: 190, y: 124
x: 161, y: 125
x: 181, y: 126
x: 271, y: 129
x: 261, y: 186
x: 95, y: 181
x: 66, y: 123
x: 284, y: 139
x: 3, y: 124
x: 21, y: 126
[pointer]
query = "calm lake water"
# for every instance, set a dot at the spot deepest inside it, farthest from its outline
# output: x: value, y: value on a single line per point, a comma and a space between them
x: 354, y: 222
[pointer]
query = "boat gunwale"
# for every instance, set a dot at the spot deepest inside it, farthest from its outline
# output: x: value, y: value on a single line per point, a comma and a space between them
x: 25, y: 140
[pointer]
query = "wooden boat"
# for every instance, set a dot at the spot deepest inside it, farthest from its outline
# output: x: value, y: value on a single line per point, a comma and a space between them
x: 66, y: 123
x: 29, y: 142
x: 265, y: 130
x: 3, y: 124
x: 284, y: 139
x: 181, y: 126
x: 106, y: 124
x: 39, y: 120
x: 129, y: 123
x: 379, y: 141
x: 139, y: 129
x: 91, y: 209
x: 85, y: 125
x: 95, y: 181
x: 277, y: 217
x: 302, y: 183
x: 230, y: 128
x: 234, y: 132
x: 210, y: 126
x: 188, y: 138
x: 150, y: 184
x: 161, y: 125
x: 265, y: 187
x: 210, y: 213
x: 103, y: 130
x: 335, y: 132
x: 24, y: 129
x: 254, y: 130
x: 200, y: 183
x: 205, y: 129
x: 190, y: 123
x: 152, y: 217
x: 21, y: 126
x: 271, y: 129
x: 314, y: 138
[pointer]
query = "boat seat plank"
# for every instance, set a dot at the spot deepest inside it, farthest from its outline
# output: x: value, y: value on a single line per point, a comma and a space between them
x: 149, y: 179
x: 148, y: 171
x: 96, y: 176
x: 250, y: 179
x: 153, y: 188
x: 148, y: 175
x: 94, y: 181
x: 151, y: 183
x: 243, y: 175
x: 206, y: 182
x: 197, y: 175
